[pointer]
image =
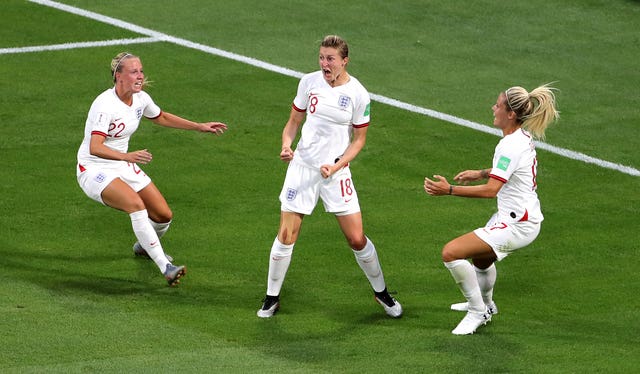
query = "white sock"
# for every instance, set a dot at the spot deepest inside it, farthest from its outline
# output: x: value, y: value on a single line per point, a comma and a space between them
x: 148, y: 238
x: 486, y: 281
x: 160, y: 228
x: 367, y: 258
x: 465, y: 277
x: 279, y: 260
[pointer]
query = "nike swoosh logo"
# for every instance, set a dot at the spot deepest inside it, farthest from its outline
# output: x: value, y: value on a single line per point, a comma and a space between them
x: 152, y: 244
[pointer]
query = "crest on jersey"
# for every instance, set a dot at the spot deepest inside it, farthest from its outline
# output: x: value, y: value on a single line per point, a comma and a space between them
x: 343, y: 101
x: 291, y: 194
x: 100, y: 177
x: 139, y: 113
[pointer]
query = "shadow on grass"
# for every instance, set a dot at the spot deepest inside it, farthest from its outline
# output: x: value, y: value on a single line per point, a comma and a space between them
x: 106, y: 274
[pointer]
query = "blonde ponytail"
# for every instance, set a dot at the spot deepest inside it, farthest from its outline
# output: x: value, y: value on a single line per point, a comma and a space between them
x: 535, y: 110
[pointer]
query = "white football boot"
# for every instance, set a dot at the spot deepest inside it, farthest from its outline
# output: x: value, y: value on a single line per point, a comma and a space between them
x: 471, y: 322
x: 391, y: 306
x: 464, y: 307
x: 270, y: 306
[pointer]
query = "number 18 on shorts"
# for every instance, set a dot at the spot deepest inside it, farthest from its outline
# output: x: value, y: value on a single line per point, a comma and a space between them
x: 303, y: 186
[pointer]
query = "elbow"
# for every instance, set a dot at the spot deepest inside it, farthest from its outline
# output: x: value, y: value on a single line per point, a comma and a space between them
x: 492, y: 187
x: 96, y: 153
x: 93, y: 151
x: 491, y: 193
x: 357, y: 145
x: 96, y: 150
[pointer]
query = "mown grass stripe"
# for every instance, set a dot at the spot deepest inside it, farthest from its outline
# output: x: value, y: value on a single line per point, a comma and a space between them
x: 285, y: 71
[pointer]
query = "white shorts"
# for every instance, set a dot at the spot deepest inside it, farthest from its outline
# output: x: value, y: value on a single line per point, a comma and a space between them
x: 506, y: 237
x: 93, y: 180
x: 304, y: 185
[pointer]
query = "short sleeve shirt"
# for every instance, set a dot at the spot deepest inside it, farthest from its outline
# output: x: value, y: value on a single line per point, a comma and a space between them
x: 515, y: 164
x: 331, y: 115
x: 116, y: 121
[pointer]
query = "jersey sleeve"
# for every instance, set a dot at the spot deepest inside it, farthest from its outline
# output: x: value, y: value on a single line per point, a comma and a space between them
x: 100, y: 124
x: 362, y: 109
x: 99, y: 118
x: 301, y: 100
x: 505, y: 162
x: 151, y: 110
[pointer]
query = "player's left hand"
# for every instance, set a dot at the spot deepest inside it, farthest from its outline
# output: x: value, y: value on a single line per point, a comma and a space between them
x: 326, y: 171
x: 436, y: 188
x: 217, y: 128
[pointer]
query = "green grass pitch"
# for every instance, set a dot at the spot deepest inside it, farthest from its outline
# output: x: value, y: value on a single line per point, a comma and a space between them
x: 75, y: 300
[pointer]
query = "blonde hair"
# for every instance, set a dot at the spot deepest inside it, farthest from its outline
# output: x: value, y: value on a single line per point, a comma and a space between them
x: 116, y: 63
x: 334, y: 41
x: 534, y: 110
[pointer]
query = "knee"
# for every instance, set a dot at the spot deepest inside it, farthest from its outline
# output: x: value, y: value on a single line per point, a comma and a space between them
x: 449, y: 253
x: 135, y: 205
x: 357, y: 243
x: 126, y: 203
x: 161, y: 216
x: 483, y: 263
x: 287, y: 236
x: 165, y: 216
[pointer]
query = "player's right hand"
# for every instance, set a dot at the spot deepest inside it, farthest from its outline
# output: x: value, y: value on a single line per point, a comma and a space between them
x: 140, y: 157
x: 286, y: 154
x: 464, y: 177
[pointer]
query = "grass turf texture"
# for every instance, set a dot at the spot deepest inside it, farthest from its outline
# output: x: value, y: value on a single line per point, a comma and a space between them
x: 75, y: 299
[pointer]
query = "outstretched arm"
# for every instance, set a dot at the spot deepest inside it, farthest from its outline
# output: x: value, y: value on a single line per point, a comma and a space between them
x: 171, y: 120
x: 464, y: 177
x: 440, y: 186
x: 98, y: 149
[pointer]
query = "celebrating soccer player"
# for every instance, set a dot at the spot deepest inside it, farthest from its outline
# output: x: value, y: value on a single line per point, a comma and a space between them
x: 110, y: 174
x: 521, y: 116
x: 336, y: 108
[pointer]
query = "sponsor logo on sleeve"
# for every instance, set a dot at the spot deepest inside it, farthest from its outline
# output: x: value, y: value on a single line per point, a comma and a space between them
x: 503, y: 163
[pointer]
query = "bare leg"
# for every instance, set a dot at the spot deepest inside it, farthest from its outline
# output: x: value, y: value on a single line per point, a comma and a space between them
x: 121, y: 196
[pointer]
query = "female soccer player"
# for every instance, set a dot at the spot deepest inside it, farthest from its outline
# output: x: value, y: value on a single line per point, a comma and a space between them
x: 521, y: 116
x: 336, y: 107
x: 109, y: 174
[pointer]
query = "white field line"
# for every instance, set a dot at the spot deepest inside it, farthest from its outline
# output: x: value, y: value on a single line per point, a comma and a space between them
x: 57, y: 47
x: 158, y: 36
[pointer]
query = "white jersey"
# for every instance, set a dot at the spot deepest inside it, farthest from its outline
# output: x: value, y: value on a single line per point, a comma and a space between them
x: 332, y: 112
x: 116, y: 121
x: 515, y: 164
